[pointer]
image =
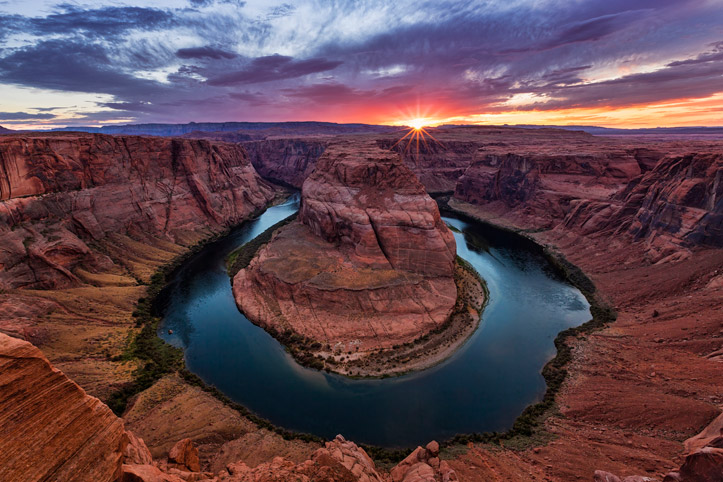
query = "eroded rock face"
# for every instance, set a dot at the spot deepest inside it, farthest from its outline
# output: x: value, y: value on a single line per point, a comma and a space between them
x: 368, y: 264
x: 49, y: 428
x: 546, y: 187
x: 62, y: 195
x: 675, y: 205
x: 288, y: 161
x: 369, y: 203
x: 680, y: 201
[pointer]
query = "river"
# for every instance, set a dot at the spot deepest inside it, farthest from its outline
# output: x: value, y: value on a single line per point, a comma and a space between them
x: 484, y: 386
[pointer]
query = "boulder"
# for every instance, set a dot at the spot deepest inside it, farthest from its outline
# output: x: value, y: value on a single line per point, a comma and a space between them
x: 146, y: 473
x: 423, y: 465
x: 136, y: 452
x: 185, y: 453
x: 704, y: 465
x: 602, y: 476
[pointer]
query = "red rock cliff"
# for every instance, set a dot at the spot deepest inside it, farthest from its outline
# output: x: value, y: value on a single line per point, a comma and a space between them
x: 368, y: 264
x: 288, y: 161
x: 369, y: 202
x: 60, y: 194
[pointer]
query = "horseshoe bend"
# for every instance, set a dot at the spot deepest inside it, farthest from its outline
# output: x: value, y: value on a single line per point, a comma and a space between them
x: 273, y: 241
x: 368, y: 268
x: 363, y: 282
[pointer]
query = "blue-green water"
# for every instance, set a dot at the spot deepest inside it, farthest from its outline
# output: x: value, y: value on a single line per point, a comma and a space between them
x: 484, y: 386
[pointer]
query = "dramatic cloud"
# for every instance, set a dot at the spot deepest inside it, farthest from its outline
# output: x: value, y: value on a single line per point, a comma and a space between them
x: 204, y: 52
x: 102, y: 22
x: 4, y: 116
x: 275, y: 67
x: 70, y: 65
x: 371, y: 61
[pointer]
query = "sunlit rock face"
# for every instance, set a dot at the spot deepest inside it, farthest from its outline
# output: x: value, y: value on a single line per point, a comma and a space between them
x: 370, y: 204
x: 64, y: 195
x: 369, y: 263
x: 50, y: 429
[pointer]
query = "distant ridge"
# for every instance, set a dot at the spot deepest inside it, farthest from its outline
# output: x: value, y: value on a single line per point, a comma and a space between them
x: 274, y: 127
x: 612, y: 131
x: 4, y: 130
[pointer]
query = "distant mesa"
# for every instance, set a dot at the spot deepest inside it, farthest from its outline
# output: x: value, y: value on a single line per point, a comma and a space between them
x: 368, y: 264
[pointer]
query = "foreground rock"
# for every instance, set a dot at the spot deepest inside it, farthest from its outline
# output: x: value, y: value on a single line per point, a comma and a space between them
x: 49, y: 428
x: 423, y: 465
x: 369, y: 264
x: 185, y: 454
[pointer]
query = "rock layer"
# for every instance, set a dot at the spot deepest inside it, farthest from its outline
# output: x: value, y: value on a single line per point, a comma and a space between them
x: 369, y: 263
x: 49, y: 428
x: 61, y: 196
x: 288, y: 161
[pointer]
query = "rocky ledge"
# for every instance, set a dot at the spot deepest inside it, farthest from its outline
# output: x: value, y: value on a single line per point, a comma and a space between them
x: 368, y: 265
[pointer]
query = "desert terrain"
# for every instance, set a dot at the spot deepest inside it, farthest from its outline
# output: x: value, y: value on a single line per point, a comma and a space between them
x: 92, y: 223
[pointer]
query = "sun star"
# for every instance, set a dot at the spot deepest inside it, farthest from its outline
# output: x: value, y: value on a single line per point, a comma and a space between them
x: 417, y: 124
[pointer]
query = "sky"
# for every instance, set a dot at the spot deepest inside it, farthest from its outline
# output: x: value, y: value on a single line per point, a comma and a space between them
x: 618, y: 63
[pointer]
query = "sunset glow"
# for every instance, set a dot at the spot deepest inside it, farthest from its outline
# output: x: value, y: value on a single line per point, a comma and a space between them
x: 177, y: 61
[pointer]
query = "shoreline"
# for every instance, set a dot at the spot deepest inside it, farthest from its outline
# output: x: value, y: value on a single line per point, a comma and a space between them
x: 425, y: 351
x: 529, y: 424
x: 432, y: 348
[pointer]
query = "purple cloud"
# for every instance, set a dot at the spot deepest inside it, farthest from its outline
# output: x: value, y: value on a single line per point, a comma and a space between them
x: 274, y: 67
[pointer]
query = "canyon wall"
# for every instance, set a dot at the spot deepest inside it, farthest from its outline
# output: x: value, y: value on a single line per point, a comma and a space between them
x: 62, y: 196
x: 672, y: 206
x: 288, y: 161
x: 438, y: 165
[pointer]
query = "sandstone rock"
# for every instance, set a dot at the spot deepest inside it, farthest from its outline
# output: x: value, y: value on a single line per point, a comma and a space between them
x: 367, y: 201
x: 288, y: 161
x: 350, y: 457
x: 446, y: 472
x: 706, y: 437
x: 679, y: 202
x: 602, y: 476
x: 49, y: 428
x: 704, y: 465
x: 136, y: 452
x: 433, y: 448
x: 185, y: 453
x: 146, y: 473
x: 61, y: 193
x: 421, y: 465
x: 437, y: 165
x: 419, y: 472
x: 670, y: 202
x: 368, y: 264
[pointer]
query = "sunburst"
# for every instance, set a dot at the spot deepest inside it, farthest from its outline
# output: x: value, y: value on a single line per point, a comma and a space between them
x: 417, y: 135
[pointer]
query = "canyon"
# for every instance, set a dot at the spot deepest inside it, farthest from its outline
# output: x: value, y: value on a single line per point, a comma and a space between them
x: 88, y: 218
